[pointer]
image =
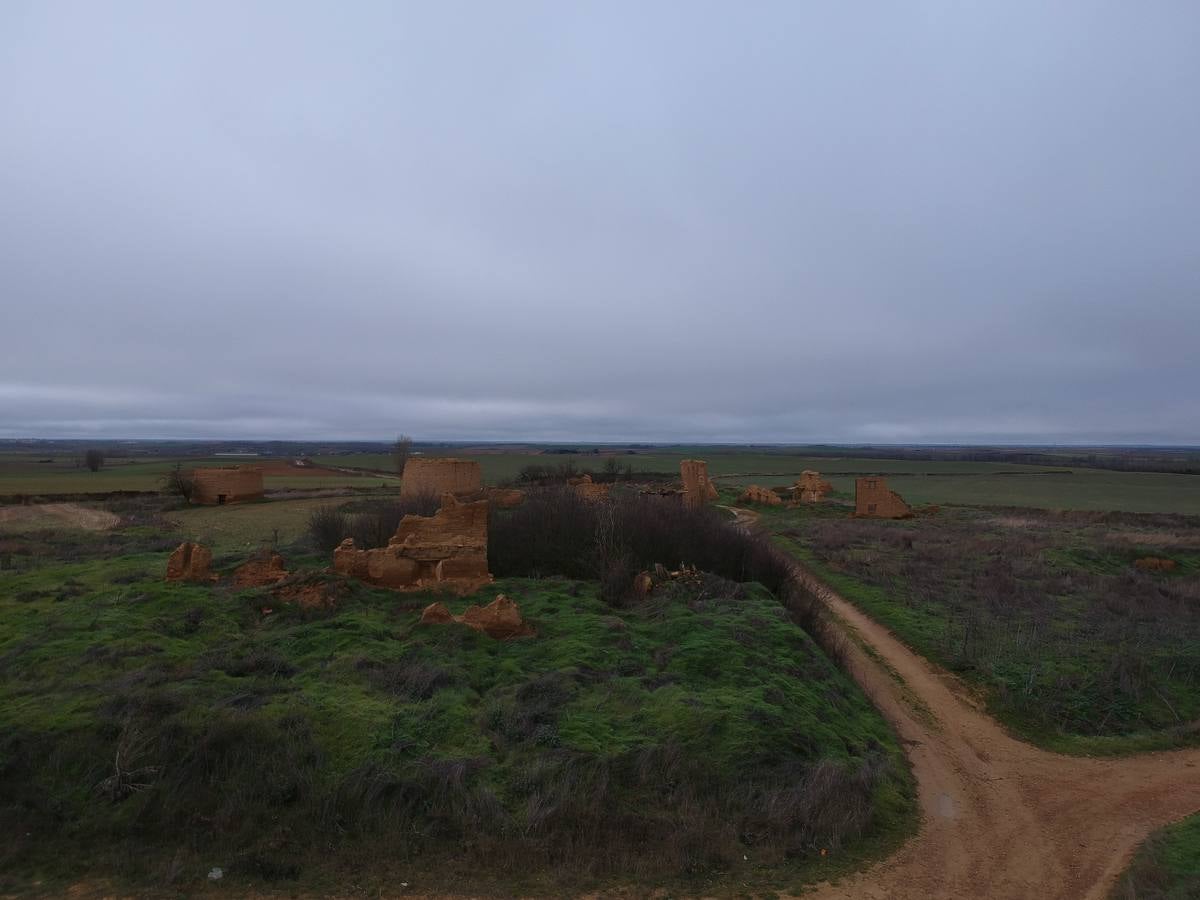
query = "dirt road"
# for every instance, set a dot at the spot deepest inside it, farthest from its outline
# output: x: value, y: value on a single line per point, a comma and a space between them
x: 1001, y: 819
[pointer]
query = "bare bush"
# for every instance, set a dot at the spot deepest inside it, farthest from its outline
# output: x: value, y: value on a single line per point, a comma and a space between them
x: 401, y: 451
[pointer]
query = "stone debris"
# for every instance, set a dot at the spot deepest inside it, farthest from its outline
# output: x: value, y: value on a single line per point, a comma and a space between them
x: 217, y: 485
x: 313, y: 592
x: 260, y: 571
x: 643, y: 584
x: 698, y: 488
x: 440, y: 475
x: 190, y: 562
x: 504, y: 498
x: 873, y: 498
x: 500, y: 619
x: 446, y: 550
x: 810, y: 488
x: 588, y: 491
x: 760, y: 495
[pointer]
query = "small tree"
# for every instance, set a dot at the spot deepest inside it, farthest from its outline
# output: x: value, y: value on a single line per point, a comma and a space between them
x: 93, y: 459
x: 401, y: 450
x: 178, y: 483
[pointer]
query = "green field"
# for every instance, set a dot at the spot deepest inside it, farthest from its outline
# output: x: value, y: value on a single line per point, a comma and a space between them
x: 149, y: 731
x: 921, y: 482
x: 24, y: 474
x: 1073, y: 646
x: 968, y: 483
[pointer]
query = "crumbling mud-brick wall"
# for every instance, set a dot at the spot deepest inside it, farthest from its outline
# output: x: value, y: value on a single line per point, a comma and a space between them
x: 873, y: 498
x: 698, y: 488
x: 810, y: 488
x: 445, y: 550
x: 190, y: 562
x: 237, y: 484
x: 761, y: 495
x: 440, y: 475
x: 588, y: 491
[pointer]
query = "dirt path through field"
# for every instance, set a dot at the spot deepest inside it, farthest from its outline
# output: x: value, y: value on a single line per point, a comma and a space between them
x: 1001, y: 818
x: 71, y: 514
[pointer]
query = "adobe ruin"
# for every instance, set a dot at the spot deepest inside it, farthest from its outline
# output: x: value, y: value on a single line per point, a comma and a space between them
x: 446, y: 550
x: 588, y: 491
x: 873, y: 498
x: 216, y: 485
x: 500, y: 619
x: 441, y: 475
x: 810, y: 488
x: 504, y: 498
x: 761, y: 495
x: 698, y: 488
x: 259, y: 571
x: 190, y: 562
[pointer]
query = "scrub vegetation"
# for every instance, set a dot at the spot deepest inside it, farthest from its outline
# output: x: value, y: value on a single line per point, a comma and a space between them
x: 151, y: 731
x: 1075, y: 645
x: 1167, y: 867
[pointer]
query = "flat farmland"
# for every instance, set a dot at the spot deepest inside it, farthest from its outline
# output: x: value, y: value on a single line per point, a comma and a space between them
x: 922, y: 482
x: 242, y: 526
x: 28, y: 474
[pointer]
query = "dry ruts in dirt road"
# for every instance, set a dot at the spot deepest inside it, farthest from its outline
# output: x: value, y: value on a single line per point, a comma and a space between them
x: 1001, y: 818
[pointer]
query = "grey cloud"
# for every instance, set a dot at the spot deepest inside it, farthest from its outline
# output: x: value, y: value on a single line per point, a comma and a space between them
x: 675, y: 221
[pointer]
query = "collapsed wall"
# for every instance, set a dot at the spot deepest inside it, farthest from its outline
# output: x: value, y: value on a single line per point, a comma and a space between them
x: 588, y: 491
x: 756, y: 494
x: 222, y: 484
x: 873, y: 498
x: 698, y: 488
x: 440, y: 475
x: 810, y: 488
x: 445, y: 550
x: 190, y: 562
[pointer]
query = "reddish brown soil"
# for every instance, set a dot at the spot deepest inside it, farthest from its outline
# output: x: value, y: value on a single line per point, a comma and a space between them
x: 1000, y: 818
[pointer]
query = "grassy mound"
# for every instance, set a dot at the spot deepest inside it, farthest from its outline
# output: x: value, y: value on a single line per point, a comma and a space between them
x: 150, y: 731
x: 1167, y: 867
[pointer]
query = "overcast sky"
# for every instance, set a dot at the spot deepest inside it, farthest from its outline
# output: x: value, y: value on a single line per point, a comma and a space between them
x: 793, y: 222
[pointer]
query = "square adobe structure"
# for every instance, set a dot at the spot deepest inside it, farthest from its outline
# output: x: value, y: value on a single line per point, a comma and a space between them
x: 439, y: 475
x: 219, y: 485
x: 873, y: 498
x: 698, y: 488
x: 810, y: 488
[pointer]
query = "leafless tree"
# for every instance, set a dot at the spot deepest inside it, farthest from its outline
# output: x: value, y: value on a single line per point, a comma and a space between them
x: 401, y: 450
x: 178, y: 483
x: 93, y: 459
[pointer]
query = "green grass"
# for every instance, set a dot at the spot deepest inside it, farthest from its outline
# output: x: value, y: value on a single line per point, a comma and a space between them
x: 1166, y: 867
x: 1073, y: 648
x: 245, y: 526
x: 969, y: 483
x: 23, y: 474
x: 306, y: 748
x: 923, y: 482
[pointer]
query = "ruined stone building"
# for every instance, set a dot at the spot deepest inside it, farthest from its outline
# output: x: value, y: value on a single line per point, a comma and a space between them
x: 761, y: 495
x: 698, y: 488
x: 872, y: 497
x: 190, y: 562
x: 441, y: 475
x: 588, y: 491
x: 232, y: 484
x: 445, y: 550
x: 810, y: 488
